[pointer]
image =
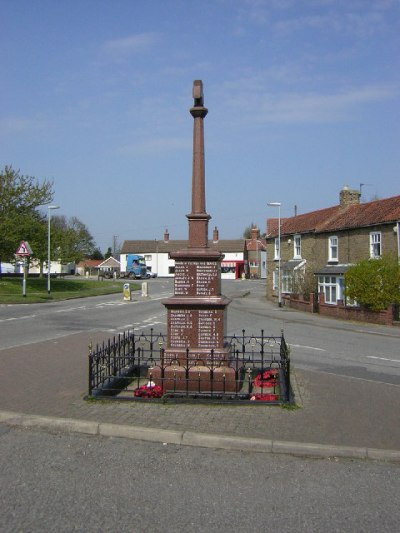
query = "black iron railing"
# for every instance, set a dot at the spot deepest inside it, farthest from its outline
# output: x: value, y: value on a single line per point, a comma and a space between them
x: 135, y: 366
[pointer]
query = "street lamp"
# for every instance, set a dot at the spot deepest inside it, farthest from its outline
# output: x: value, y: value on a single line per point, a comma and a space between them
x: 278, y: 205
x: 49, y: 207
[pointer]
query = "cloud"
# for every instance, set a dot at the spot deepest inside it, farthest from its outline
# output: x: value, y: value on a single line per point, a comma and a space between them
x: 120, y: 49
x: 362, y: 24
x: 314, y: 107
x: 259, y: 106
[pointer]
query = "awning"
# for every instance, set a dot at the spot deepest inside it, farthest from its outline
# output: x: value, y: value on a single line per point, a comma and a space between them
x: 293, y: 264
x: 231, y: 264
x: 332, y: 270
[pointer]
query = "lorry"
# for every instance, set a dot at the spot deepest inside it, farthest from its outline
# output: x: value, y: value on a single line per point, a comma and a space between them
x: 135, y: 267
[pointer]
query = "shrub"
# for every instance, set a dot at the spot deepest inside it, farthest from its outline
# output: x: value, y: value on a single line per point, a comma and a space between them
x: 374, y: 283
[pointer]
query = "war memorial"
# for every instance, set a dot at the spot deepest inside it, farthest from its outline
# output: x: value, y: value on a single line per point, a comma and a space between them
x: 195, y: 359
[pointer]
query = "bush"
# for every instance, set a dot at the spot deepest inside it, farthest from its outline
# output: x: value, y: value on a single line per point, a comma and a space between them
x: 374, y: 283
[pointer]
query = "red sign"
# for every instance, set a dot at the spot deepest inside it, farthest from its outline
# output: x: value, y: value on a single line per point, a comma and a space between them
x: 24, y: 249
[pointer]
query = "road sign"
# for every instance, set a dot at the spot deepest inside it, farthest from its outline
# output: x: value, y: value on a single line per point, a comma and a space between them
x: 24, y: 249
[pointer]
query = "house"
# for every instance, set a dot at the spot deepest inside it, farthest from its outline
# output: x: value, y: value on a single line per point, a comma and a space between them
x: 88, y: 267
x: 56, y: 267
x: 317, y: 248
x: 109, y: 268
x: 256, y: 255
x: 157, y: 254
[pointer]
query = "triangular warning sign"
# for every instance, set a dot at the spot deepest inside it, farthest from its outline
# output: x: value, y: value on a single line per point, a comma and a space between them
x: 24, y: 249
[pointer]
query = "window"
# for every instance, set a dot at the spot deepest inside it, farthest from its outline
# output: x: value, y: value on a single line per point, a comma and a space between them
x: 227, y: 269
x: 375, y: 245
x: 148, y: 257
x: 328, y: 285
x: 292, y: 278
x: 297, y: 247
x: 275, y: 280
x: 277, y: 251
x: 333, y: 249
x: 287, y: 281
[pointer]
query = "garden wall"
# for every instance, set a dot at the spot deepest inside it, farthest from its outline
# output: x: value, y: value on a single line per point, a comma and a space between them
x: 340, y: 311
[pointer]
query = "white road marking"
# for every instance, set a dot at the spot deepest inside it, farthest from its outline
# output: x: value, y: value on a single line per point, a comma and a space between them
x: 383, y: 358
x: 71, y: 309
x: 307, y: 347
x: 11, y: 319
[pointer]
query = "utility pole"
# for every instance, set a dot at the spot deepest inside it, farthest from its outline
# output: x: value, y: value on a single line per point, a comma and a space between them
x: 115, y: 237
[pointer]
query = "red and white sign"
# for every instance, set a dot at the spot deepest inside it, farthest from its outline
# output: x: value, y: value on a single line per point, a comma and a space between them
x: 24, y: 249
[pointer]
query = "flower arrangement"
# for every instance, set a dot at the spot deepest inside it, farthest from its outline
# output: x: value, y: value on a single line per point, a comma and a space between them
x: 267, y: 382
x: 264, y: 397
x: 150, y: 390
x: 266, y: 379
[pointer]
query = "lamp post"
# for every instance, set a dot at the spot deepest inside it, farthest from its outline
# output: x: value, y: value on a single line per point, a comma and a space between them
x: 278, y: 205
x: 49, y: 207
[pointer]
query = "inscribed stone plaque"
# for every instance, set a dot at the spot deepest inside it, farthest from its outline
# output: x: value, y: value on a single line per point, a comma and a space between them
x: 181, y: 323
x: 197, y: 278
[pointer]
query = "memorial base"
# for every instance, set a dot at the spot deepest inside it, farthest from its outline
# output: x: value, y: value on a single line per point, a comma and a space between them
x: 200, y: 379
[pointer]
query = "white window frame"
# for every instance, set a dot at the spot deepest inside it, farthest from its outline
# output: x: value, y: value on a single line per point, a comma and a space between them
x: 375, y: 244
x: 333, y: 244
x: 330, y: 287
x: 287, y: 281
x: 275, y: 280
x: 276, y: 249
x: 297, y: 247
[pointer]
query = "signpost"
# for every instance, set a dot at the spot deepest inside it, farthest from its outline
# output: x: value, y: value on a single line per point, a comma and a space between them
x: 24, y: 251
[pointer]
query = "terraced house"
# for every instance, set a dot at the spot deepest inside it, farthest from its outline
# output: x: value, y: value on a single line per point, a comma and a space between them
x: 321, y: 245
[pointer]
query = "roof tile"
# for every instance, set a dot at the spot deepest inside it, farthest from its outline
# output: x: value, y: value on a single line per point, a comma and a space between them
x: 337, y: 218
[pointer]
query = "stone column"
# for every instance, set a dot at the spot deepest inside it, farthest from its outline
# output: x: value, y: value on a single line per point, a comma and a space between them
x: 197, y: 311
x: 198, y: 218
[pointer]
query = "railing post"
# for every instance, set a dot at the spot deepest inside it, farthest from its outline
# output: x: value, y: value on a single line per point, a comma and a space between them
x: 151, y: 342
x: 212, y: 373
x: 187, y: 372
x: 243, y: 341
x: 90, y: 368
x: 288, y: 381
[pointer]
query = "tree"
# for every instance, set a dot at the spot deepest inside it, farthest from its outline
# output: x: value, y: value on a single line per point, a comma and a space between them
x: 97, y: 254
x: 71, y: 241
x: 20, y: 197
x: 247, y: 231
x: 374, y: 283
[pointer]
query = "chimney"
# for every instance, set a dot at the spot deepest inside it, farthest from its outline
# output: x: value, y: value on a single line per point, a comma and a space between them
x: 349, y: 197
x: 254, y: 233
x: 215, y: 235
x: 166, y: 236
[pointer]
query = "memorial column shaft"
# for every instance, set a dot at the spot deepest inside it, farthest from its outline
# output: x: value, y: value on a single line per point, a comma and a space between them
x: 198, y: 172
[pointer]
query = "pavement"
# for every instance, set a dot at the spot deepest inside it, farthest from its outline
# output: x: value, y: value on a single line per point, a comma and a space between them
x: 43, y: 385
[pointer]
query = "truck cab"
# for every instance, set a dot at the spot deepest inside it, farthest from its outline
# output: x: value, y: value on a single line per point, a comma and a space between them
x: 135, y: 266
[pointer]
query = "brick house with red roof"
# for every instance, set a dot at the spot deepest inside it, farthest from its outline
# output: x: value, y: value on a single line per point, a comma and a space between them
x: 326, y: 242
x: 255, y: 255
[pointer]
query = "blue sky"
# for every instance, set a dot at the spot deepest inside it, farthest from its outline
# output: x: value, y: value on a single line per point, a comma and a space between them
x: 303, y: 98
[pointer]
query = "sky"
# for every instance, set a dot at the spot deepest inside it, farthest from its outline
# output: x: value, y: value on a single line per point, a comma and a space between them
x: 303, y: 99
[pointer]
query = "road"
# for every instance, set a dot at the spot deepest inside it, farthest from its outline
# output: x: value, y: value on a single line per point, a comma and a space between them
x: 58, y: 482
x: 362, y: 351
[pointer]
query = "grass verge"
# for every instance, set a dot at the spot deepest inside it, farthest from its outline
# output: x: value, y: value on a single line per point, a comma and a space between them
x: 61, y: 289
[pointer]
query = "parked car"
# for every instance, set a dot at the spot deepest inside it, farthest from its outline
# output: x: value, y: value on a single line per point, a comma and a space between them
x: 150, y: 274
